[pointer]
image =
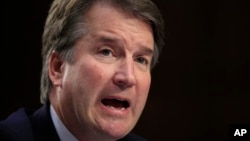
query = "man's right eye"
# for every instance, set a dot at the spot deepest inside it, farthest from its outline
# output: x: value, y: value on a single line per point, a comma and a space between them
x: 106, y: 52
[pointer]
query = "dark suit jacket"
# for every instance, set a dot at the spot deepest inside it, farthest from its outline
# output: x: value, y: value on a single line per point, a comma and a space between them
x: 27, y: 125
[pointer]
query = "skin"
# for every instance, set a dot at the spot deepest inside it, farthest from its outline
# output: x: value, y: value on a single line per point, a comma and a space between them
x: 112, y: 61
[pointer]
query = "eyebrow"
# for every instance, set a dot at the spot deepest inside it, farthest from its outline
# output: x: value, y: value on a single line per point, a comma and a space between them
x: 114, y: 40
x: 148, y: 51
x: 107, y: 39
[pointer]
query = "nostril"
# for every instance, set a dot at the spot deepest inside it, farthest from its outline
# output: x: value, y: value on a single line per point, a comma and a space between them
x: 122, y: 84
x: 124, y: 80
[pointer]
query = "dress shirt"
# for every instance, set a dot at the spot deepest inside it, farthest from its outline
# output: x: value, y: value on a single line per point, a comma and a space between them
x: 63, y: 133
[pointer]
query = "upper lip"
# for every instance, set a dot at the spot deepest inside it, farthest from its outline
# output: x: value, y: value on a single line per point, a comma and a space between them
x: 120, y: 98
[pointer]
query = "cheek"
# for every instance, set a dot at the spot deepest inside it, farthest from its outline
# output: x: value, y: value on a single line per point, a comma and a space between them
x: 144, y: 86
x: 145, y: 83
x: 92, y: 75
x: 84, y: 83
x: 91, y: 78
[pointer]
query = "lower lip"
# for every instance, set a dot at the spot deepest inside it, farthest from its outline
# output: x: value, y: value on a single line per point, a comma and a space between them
x: 115, y: 112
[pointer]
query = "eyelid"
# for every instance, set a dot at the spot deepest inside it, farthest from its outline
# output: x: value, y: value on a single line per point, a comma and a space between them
x: 146, y: 59
x: 107, y: 48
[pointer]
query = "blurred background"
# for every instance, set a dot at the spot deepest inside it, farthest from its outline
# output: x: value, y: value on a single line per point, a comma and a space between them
x: 200, y: 86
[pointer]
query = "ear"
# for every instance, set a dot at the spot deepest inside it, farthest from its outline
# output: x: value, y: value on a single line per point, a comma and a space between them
x: 56, y: 68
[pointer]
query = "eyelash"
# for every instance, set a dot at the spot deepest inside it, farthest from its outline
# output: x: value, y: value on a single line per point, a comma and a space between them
x: 145, y: 61
x: 140, y: 59
x: 104, y: 52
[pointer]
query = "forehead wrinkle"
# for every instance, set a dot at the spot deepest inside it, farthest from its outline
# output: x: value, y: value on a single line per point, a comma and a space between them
x: 108, y: 39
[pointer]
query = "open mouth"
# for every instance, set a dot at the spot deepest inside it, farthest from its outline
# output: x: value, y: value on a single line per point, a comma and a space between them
x: 115, y: 103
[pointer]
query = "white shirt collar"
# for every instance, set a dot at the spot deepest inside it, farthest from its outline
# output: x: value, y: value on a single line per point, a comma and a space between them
x: 63, y: 133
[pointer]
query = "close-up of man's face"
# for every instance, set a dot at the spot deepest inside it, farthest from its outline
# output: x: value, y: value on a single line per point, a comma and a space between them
x: 105, y: 88
x: 125, y: 70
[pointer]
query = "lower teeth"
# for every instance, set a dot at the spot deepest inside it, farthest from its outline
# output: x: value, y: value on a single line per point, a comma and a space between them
x: 115, y: 108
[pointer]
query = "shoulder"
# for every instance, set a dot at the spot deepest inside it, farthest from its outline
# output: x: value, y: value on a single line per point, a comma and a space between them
x: 133, y: 137
x: 16, y: 126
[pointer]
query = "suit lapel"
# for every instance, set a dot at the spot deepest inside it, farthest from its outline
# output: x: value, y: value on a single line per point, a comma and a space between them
x: 42, y: 125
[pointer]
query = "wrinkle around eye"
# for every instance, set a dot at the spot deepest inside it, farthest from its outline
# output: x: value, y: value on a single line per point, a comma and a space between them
x: 143, y: 63
x: 106, y: 52
x: 142, y: 60
x: 105, y: 55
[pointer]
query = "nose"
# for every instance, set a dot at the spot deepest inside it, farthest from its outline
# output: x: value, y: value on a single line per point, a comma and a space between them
x: 125, y: 75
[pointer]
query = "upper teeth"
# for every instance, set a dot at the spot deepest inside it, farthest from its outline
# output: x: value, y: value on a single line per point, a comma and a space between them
x: 115, y: 108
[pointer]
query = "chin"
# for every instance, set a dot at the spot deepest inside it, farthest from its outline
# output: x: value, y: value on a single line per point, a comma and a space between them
x: 117, y: 132
x: 116, y: 135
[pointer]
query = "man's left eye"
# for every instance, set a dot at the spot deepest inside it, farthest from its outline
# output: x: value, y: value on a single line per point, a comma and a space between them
x: 142, y: 60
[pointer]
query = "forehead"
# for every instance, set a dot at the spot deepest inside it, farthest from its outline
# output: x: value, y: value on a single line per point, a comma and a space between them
x: 107, y: 11
x: 113, y: 20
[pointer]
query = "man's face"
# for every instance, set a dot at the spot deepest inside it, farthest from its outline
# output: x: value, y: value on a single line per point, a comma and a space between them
x: 104, y: 90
